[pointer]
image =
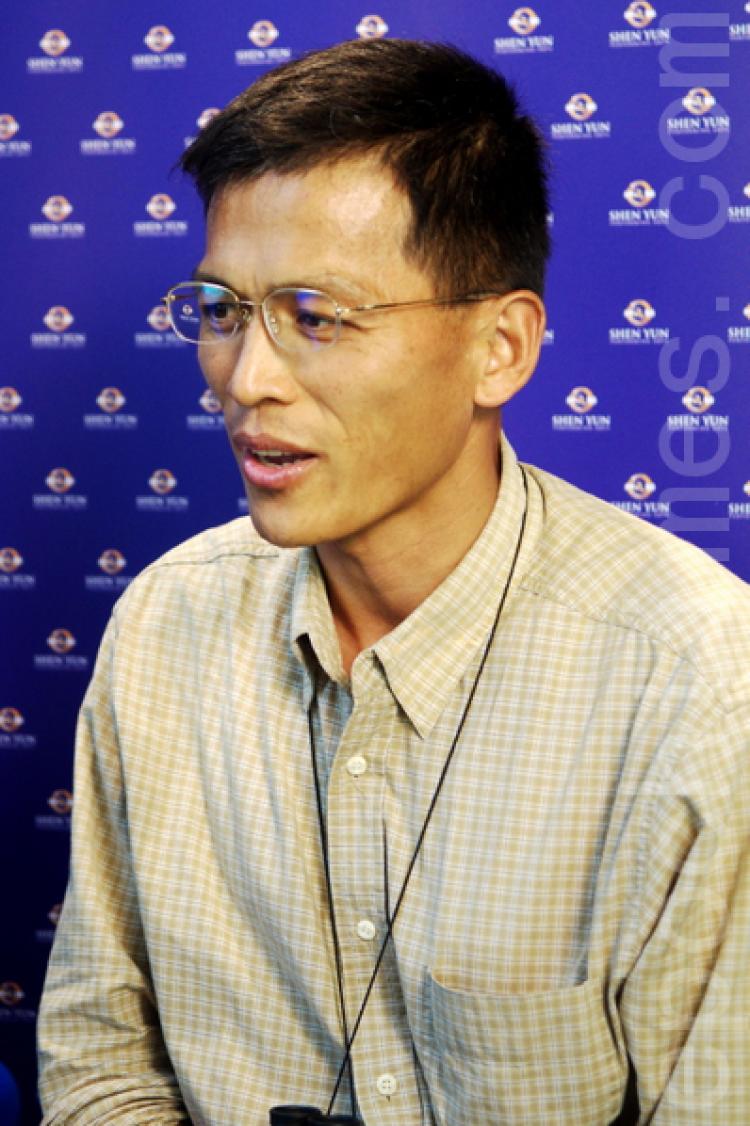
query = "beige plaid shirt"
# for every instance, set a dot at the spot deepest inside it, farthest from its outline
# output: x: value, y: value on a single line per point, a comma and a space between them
x: 581, y: 904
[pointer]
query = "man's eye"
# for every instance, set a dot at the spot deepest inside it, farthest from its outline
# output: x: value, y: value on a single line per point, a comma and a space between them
x: 221, y: 316
x: 309, y: 320
x: 217, y: 312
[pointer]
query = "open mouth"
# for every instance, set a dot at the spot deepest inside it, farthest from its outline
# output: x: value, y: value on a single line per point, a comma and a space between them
x: 278, y: 457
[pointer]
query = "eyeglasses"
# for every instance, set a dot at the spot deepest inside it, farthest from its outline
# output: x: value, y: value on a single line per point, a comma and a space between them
x: 296, y: 319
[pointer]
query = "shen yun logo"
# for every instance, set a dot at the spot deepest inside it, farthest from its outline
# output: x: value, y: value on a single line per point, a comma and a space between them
x: 740, y: 213
x: 640, y: 15
x: 640, y: 195
x: 371, y: 27
x: 55, y: 60
x: 56, y: 210
x: 581, y: 402
x: 159, y: 39
x: 110, y: 402
x: 10, y: 400
x: 211, y: 418
x: 111, y: 561
x: 58, y: 320
x: 698, y: 103
x: 524, y: 22
x: 202, y: 121
x: 162, y: 483
x: 740, y: 510
x: 581, y: 107
x: 8, y: 146
x: 61, y: 642
x: 61, y: 801
x: 11, y: 562
x: 111, y: 564
x: 10, y: 416
x: 108, y: 125
x: 639, y: 314
x: 60, y: 482
x: 740, y: 334
x: 8, y: 126
x: 741, y: 30
x: 11, y: 720
x: 263, y: 35
x: 697, y: 402
x: 160, y: 335
x: 207, y: 115
x: 54, y: 43
x: 640, y: 487
x: 160, y: 207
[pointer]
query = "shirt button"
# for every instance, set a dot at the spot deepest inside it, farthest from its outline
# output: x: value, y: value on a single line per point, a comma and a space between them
x: 366, y: 929
x: 356, y: 765
x: 386, y: 1084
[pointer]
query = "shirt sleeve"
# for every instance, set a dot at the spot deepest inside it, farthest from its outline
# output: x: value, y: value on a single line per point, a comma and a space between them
x: 686, y: 1004
x: 101, y: 1052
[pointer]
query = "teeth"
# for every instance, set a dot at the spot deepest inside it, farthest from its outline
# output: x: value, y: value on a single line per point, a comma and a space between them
x: 273, y: 457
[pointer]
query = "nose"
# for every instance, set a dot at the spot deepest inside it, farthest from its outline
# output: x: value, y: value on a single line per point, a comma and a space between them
x: 260, y: 370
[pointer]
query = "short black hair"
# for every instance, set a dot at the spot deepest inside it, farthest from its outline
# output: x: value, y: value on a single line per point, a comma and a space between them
x: 447, y: 127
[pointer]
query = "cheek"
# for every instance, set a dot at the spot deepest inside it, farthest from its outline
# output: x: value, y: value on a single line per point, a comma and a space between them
x: 406, y: 409
x: 216, y: 368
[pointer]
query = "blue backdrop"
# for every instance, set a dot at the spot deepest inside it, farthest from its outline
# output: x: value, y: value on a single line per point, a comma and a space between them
x: 113, y: 451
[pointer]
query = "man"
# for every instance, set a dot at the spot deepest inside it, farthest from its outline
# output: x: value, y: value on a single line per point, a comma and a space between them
x: 425, y: 799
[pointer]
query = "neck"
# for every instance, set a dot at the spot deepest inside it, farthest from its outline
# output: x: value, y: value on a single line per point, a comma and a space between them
x: 375, y: 581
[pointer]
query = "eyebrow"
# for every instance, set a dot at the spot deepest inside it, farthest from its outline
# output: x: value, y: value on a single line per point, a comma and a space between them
x: 329, y: 283
x: 201, y: 275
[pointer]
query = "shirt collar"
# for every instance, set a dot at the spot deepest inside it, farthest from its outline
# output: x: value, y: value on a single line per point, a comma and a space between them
x: 427, y: 654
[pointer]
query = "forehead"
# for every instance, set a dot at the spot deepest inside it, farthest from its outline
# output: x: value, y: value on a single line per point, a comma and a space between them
x: 347, y: 218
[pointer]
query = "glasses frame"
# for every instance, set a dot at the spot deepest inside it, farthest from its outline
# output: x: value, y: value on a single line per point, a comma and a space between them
x: 246, y: 309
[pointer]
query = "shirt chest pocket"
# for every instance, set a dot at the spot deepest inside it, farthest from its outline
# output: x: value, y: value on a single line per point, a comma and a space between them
x: 526, y: 1060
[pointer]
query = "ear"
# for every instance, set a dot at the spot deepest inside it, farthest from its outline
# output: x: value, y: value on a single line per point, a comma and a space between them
x: 514, y: 341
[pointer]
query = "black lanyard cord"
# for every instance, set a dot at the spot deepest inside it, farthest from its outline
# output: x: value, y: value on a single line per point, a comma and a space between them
x: 391, y: 918
x: 332, y: 916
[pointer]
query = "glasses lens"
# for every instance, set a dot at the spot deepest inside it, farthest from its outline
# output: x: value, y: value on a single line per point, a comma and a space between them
x: 204, y: 313
x: 299, y: 318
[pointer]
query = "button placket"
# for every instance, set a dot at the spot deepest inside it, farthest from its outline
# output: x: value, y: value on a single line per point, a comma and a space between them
x: 355, y: 839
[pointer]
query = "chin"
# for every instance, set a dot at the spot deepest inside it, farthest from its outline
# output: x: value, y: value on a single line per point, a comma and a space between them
x: 283, y: 533
x: 284, y: 525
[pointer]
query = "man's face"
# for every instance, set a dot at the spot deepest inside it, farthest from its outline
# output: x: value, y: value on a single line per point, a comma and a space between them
x: 385, y: 417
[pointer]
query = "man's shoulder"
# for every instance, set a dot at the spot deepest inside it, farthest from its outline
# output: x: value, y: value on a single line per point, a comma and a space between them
x: 225, y: 560
x: 618, y: 569
x: 236, y: 539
